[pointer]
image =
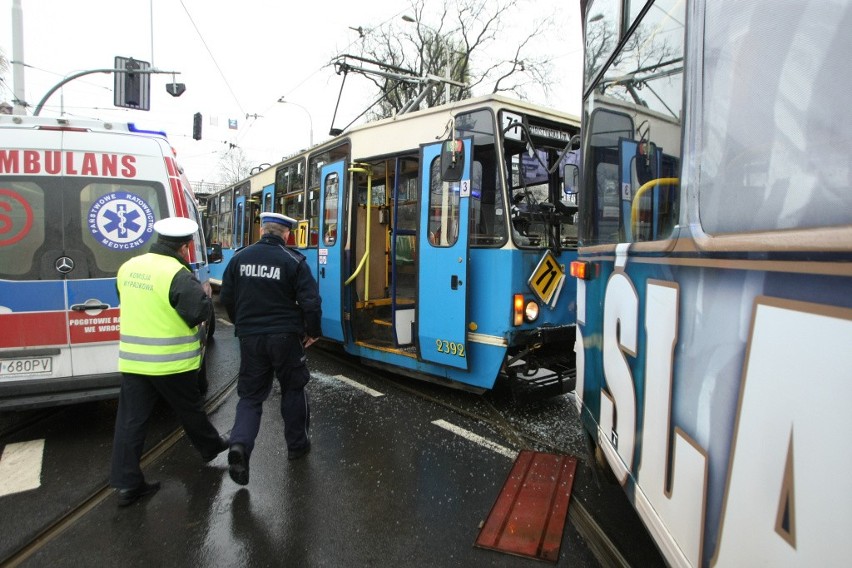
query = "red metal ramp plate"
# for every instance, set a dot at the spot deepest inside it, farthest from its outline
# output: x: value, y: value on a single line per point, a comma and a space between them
x: 529, y: 515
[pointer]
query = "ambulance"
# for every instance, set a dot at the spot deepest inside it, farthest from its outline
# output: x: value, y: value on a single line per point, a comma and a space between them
x: 77, y: 199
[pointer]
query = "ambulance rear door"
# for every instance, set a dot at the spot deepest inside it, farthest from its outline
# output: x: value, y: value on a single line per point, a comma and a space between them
x: 74, y: 205
x: 34, y: 343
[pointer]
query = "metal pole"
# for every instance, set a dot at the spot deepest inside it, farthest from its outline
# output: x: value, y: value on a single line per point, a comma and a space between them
x: 310, y: 118
x: 18, y: 57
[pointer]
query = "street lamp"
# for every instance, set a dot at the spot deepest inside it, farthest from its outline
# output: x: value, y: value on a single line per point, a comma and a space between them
x: 310, y: 118
x: 449, y: 66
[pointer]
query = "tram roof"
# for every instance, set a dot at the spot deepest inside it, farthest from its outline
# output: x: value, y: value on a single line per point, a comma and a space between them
x: 402, y: 131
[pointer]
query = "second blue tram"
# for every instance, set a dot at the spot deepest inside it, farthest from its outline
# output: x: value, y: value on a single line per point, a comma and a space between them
x: 439, y: 240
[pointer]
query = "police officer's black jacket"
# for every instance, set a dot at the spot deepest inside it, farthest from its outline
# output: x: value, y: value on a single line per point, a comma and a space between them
x: 268, y: 288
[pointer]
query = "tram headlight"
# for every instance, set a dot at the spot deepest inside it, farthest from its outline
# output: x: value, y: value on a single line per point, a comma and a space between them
x: 531, y: 311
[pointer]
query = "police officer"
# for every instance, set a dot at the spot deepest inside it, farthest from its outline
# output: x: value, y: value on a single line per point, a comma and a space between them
x: 162, y: 304
x: 274, y: 302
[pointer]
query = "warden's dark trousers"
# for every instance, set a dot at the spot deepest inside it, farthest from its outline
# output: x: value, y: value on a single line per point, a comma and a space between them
x: 261, y: 357
x: 139, y: 394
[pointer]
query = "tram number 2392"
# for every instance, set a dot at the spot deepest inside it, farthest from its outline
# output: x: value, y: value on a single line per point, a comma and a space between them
x: 449, y: 347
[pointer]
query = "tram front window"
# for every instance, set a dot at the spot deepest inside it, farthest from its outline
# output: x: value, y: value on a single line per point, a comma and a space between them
x: 542, y: 214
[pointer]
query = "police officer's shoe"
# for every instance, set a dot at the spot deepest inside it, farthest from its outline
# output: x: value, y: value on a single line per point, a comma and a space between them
x: 238, y: 466
x: 129, y: 496
x: 223, y: 445
x: 298, y: 453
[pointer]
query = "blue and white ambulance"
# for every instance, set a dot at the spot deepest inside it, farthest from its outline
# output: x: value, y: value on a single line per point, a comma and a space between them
x: 77, y: 199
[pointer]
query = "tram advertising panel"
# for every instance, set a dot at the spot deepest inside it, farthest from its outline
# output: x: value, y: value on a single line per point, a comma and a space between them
x: 442, y: 274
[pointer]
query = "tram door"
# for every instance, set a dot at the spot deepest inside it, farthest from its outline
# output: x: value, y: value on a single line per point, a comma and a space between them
x: 267, y: 205
x: 267, y: 201
x: 239, y: 222
x: 329, y: 258
x: 443, y: 255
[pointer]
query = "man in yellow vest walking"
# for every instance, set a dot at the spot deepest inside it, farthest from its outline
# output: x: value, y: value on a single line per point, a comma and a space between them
x: 162, y: 304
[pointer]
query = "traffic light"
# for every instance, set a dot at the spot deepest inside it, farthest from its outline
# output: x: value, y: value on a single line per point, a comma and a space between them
x: 132, y: 89
x: 196, y: 126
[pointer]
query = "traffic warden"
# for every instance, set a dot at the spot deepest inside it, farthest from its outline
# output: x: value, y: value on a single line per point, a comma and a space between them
x: 274, y: 302
x: 160, y: 348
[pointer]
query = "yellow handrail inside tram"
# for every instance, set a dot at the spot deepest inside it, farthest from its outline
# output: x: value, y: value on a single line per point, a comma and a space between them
x: 364, y: 169
x: 634, y: 209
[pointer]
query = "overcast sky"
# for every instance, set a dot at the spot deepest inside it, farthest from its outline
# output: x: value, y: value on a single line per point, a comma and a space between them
x: 236, y: 59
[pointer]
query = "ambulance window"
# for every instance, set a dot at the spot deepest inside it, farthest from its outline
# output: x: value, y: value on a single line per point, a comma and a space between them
x: 22, y: 227
x: 118, y: 221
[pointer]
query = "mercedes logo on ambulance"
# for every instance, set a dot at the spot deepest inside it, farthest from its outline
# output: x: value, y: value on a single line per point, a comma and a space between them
x: 64, y: 264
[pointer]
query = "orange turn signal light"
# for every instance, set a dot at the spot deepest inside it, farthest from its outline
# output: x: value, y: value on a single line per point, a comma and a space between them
x: 581, y: 269
x: 517, y: 309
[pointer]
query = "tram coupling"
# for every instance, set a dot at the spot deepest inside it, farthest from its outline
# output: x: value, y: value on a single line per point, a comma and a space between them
x: 542, y: 364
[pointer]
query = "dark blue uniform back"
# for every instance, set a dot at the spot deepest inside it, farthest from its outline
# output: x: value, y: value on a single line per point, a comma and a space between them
x: 273, y: 300
x: 268, y: 288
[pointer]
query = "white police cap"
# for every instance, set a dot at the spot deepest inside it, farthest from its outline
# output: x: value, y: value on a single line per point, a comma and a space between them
x: 288, y: 222
x: 178, y: 229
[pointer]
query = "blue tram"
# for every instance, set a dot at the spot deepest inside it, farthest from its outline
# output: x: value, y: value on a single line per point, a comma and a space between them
x: 439, y: 238
x: 714, y: 297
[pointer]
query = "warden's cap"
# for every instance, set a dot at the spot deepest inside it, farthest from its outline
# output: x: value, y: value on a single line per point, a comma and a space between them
x: 176, y: 229
x: 288, y: 222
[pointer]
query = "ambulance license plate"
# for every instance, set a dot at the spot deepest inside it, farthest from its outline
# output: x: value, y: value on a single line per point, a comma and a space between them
x: 26, y: 366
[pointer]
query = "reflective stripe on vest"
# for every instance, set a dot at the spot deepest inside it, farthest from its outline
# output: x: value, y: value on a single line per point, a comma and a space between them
x: 154, y: 339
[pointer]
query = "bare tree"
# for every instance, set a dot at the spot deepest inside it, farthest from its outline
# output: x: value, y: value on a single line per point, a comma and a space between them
x: 464, y: 41
x: 233, y: 165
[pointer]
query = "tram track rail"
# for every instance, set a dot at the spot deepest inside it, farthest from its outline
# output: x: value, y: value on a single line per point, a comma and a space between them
x: 104, y: 491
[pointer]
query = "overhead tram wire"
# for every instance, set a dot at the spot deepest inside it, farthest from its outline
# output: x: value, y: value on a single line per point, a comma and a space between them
x: 216, y: 63
x: 362, y: 33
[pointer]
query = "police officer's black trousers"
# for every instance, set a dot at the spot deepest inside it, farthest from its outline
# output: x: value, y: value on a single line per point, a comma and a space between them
x: 261, y: 357
x: 139, y: 394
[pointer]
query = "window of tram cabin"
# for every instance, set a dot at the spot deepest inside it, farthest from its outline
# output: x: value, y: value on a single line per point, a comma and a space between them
x: 488, y: 221
x: 633, y: 107
x: 536, y: 152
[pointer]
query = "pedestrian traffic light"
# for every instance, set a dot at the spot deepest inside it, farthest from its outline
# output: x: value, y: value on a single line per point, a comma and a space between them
x: 196, y: 126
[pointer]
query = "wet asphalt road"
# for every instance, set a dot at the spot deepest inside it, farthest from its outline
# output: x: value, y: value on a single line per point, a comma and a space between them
x: 382, y: 486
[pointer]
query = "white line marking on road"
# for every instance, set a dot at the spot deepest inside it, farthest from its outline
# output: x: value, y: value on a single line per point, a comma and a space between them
x: 224, y: 321
x: 511, y: 454
x: 20, y: 467
x: 358, y: 386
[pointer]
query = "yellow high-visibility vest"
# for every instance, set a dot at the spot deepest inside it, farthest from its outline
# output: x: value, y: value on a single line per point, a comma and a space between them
x: 154, y: 339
